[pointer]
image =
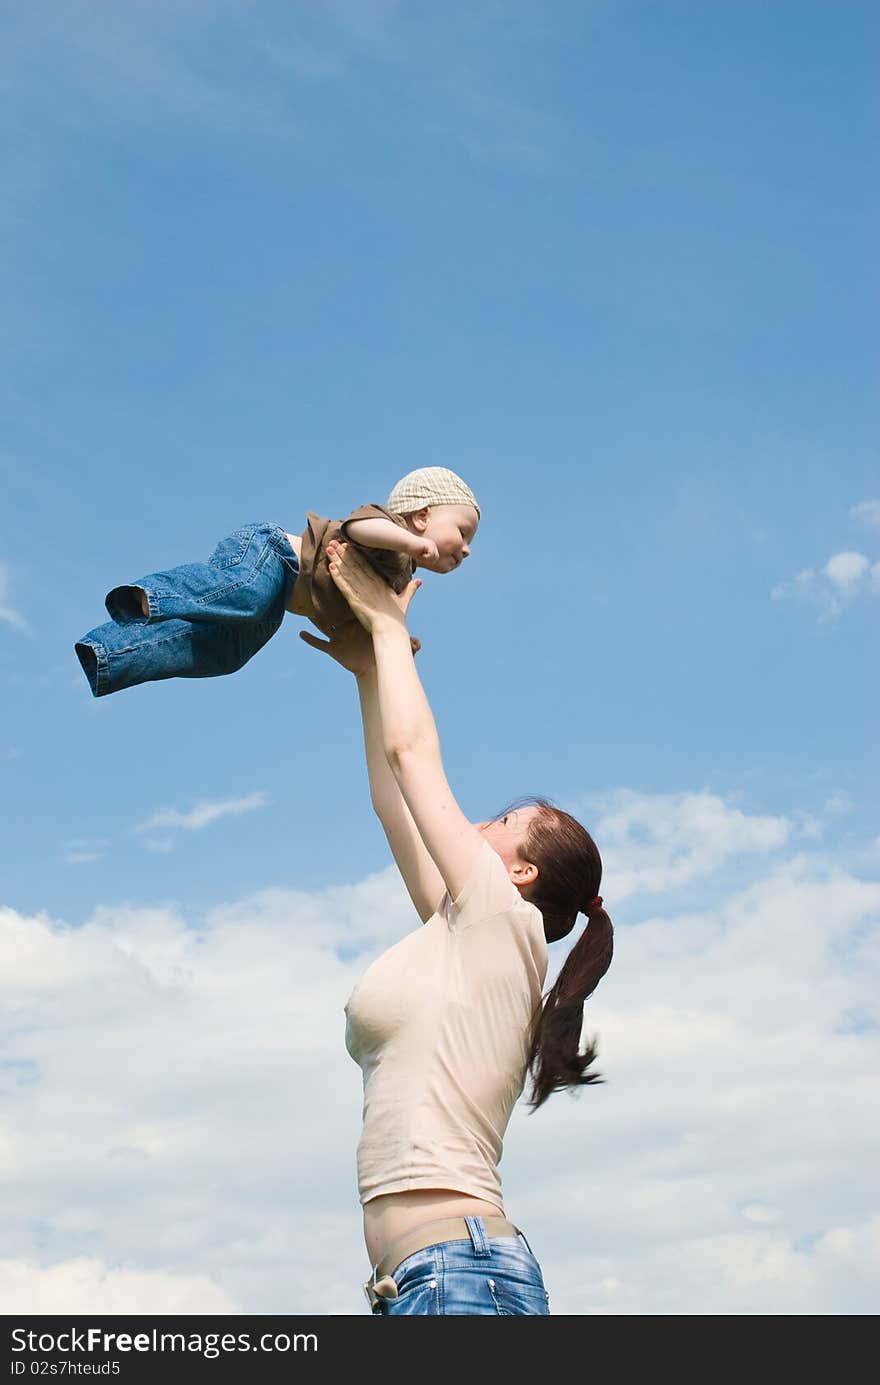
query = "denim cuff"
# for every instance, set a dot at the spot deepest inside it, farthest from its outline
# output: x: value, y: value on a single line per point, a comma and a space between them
x: 124, y: 606
x: 95, y: 665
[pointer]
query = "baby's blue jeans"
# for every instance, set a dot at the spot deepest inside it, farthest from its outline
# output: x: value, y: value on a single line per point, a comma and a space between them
x: 205, y: 619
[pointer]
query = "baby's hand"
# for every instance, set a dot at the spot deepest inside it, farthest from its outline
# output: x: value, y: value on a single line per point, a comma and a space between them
x: 428, y: 551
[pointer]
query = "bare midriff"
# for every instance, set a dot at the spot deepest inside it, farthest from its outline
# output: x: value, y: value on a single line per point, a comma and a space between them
x: 393, y: 1215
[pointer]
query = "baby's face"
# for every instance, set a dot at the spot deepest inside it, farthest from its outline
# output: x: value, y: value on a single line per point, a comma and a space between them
x: 452, y: 527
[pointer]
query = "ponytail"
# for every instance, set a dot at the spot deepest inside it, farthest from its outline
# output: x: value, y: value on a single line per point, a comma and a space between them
x: 556, y: 1060
x: 569, y: 875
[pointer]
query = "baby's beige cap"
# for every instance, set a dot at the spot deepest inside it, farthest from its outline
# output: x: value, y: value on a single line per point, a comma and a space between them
x: 430, y: 485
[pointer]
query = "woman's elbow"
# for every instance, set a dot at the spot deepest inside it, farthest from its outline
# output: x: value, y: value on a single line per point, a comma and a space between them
x: 393, y: 752
x: 401, y: 754
x: 413, y: 763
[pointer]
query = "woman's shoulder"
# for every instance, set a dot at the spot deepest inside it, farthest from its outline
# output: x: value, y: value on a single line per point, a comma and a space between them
x: 487, y: 892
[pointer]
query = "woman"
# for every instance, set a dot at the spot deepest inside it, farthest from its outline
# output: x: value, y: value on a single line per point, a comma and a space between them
x: 447, y: 1022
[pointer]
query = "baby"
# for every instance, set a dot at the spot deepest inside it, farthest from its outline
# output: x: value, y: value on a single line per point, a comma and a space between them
x: 205, y: 619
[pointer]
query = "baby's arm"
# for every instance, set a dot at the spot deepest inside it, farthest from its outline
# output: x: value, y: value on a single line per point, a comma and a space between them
x: 384, y: 533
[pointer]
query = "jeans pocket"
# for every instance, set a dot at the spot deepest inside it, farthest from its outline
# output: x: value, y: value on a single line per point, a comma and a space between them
x: 419, y: 1299
x: 231, y: 550
x: 514, y: 1299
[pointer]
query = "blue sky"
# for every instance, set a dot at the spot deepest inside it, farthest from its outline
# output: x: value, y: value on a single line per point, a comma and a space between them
x: 610, y: 262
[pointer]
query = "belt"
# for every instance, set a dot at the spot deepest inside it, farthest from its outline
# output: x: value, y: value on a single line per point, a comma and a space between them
x: 433, y: 1233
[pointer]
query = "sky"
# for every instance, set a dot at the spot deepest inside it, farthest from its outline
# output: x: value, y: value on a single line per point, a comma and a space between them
x: 610, y: 262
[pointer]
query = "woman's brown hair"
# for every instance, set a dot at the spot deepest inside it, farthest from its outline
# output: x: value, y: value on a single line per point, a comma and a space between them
x: 569, y: 875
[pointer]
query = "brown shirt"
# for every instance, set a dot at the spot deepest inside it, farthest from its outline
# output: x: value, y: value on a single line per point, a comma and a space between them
x: 315, y: 594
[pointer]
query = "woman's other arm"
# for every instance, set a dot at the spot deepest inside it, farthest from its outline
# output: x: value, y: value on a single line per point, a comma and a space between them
x: 409, y: 732
x: 420, y: 875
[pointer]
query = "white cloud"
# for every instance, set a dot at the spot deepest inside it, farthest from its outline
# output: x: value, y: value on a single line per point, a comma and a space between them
x: 846, y: 570
x: 844, y: 577
x: 170, y: 1089
x: 867, y: 512
x: 760, y: 1214
x: 88, y: 1286
x: 8, y: 612
x: 180, y: 1107
x: 855, y: 1245
x: 807, y: 588
x: 653, y: 842
x: 200, y: 816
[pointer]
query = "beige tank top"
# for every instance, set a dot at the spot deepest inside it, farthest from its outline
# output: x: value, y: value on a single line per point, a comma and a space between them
x: 440, y: 1025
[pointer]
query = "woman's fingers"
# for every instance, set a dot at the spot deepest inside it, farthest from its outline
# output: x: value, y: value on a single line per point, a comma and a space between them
x: 409, y: 592
x: 336, y: 554
x: 349, y: 646
x: 367, y: 593
x: 353, y: 572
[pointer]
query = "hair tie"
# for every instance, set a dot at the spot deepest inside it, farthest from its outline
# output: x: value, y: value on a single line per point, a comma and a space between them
x: 594, y: 906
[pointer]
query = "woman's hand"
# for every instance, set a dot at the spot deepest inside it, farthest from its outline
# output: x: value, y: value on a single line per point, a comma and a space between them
x: 352, y: 646
x: 368, y: 595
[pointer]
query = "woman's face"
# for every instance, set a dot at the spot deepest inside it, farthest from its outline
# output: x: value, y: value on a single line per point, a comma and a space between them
x: 507, y: 835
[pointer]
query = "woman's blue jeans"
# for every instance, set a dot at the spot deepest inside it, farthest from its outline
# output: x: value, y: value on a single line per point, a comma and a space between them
x: 482, y: 1276
x: 205, y: 619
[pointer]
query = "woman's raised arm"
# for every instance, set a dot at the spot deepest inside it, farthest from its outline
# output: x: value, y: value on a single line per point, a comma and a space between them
x: 408, y: 730
x: 352, y: 647
x: 420, y: 875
